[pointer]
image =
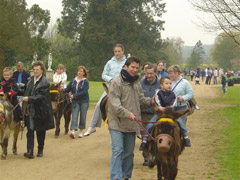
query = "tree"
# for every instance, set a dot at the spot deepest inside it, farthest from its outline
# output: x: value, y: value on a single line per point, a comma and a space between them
x: 225, y: 15
x: 97, y: 25
x: 224, y: 50
x: 14, y: 36
x: 63, y: 50
x: 196, y: 57
x: 173, y: 50
x: 20, y: 30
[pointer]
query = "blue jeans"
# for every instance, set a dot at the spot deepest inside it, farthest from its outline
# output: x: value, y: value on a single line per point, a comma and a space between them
x: 182, y: 123
x: 150, y: 125
x: 223, y: 88
x: 122, y: 154
x: 77, y: 107
x: 215, y: 80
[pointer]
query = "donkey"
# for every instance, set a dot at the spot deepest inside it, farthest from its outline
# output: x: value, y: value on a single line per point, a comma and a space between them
x: 60, y: 106
x: 104, y: 103
x: 7, y: 124
x: 166, y: 143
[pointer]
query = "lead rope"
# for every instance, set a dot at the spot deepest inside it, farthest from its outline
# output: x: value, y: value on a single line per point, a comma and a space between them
x: 140, y: 124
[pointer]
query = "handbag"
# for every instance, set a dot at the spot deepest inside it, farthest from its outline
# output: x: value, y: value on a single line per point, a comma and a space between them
x: 191, y: 103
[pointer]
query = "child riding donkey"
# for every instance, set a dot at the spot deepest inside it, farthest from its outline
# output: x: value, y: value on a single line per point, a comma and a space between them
x: 9, y: 87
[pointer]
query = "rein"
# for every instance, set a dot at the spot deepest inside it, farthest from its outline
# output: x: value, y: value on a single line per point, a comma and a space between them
x: 140, y: 124
x: 160, y: 120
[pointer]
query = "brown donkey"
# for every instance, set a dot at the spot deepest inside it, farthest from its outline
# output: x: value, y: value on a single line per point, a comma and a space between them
x: 60, y: 106
x: 7, y: 124
x: 166, y: 143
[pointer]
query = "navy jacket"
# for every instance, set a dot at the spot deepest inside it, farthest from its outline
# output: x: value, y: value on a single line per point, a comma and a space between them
x: 25, y: 76
x: 82, y: 90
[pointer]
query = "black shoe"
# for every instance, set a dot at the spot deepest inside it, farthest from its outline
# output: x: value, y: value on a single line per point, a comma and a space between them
x: 29, y: 155
x: 40, y: 153
x: 152, y: 162
x: 125, y: 178
x: 143, y: 146
x: 145, y: 163
x: 187, y: 142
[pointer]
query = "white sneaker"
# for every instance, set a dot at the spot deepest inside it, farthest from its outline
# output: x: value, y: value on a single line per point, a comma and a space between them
x: 80, y: 135
x: 89, y: 131
x: 72, y: 135
x: 138, y: 134
x: 197, y: 108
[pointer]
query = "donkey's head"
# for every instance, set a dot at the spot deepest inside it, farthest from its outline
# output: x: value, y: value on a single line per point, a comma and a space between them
x: 166, y: 130
x: 55, y: 95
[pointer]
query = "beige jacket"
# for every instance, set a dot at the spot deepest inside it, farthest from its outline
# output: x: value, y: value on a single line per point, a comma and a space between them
x: 123, y: 99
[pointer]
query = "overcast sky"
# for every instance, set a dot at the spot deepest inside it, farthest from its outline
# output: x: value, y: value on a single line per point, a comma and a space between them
x: 181, y: 20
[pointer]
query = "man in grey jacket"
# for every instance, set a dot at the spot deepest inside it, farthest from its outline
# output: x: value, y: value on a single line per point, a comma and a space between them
x: 125, y: 98
x: 149, y: 85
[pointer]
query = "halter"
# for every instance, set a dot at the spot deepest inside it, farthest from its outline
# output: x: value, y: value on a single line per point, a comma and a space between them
x: 54, y: 91
x: 166, y: 120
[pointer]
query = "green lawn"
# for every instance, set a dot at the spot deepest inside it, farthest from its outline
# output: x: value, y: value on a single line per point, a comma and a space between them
x: 229, y: 152
x: 95, y: 91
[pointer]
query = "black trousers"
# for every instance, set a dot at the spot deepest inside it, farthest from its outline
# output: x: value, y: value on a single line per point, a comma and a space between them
x: 30, y: 136
x: 40, y: 139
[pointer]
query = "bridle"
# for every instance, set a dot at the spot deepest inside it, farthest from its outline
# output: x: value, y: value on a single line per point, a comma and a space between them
x: 160, y: 120
x: 58, y: 95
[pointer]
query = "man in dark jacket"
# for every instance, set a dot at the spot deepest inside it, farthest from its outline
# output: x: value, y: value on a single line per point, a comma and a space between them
x: 20, y: 75
x: 149, y: 84
x: 39, y: 117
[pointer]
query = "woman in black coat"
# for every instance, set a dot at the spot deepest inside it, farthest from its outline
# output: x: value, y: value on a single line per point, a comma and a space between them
x: 37, y: 103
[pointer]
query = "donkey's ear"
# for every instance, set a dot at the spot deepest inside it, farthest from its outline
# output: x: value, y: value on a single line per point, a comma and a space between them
x: 58, y: 84
x: 105, y: 88
x: 178, y: 114
x: 155, y: 107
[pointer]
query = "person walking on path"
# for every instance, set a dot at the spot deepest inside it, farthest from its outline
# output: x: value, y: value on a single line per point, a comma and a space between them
x: 184, y: 92
x: 149, y: 84
x: 124, y: 100
x: 111, y: 70
x: 39, y: 117
x: 78, y: 89
x: 223, y: 82
x: 215, y: 75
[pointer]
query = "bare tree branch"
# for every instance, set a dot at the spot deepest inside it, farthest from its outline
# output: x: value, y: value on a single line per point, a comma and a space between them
x: 225, y: 16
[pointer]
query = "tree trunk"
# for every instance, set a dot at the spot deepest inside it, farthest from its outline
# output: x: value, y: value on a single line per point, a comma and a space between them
x: 2, y: 62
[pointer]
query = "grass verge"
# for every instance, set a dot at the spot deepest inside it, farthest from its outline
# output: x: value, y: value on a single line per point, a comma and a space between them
x: 229, y: 152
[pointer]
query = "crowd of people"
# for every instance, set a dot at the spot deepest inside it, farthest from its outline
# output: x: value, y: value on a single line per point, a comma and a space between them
x: 131, y: 95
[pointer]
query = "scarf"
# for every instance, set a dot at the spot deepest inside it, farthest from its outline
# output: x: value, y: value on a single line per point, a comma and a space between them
x: 127, y: 77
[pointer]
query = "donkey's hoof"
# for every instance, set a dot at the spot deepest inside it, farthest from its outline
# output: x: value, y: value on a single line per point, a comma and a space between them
x: 3, y: 157
x: 14, y: 151
x: 56, y: 136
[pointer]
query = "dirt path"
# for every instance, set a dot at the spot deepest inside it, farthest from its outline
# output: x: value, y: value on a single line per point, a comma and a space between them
x: 89, y: 158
